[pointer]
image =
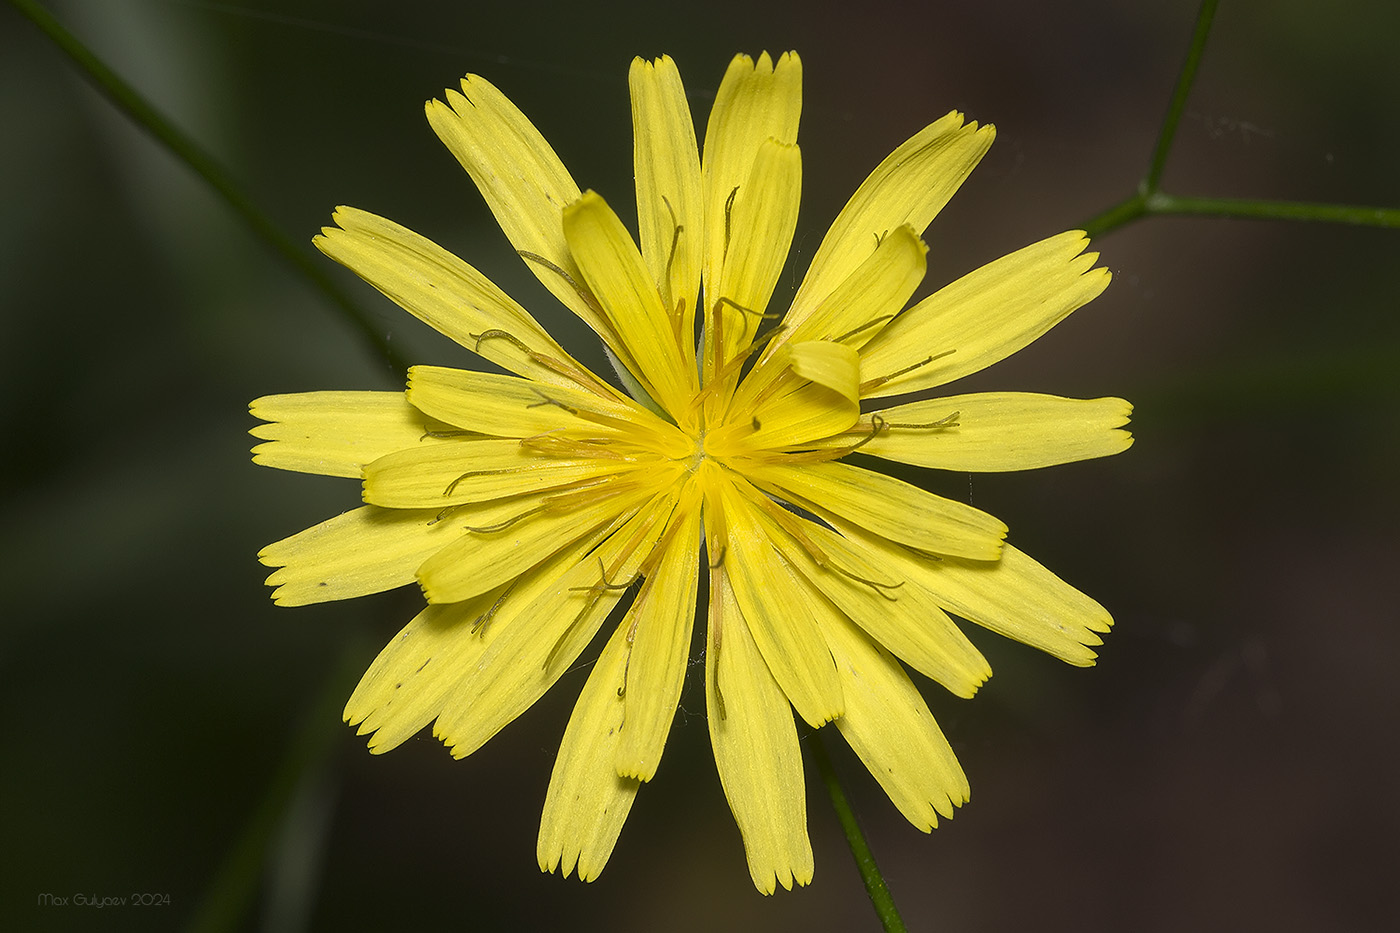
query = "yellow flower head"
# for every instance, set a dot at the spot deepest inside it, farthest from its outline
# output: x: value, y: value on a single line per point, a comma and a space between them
x: 528, y: 506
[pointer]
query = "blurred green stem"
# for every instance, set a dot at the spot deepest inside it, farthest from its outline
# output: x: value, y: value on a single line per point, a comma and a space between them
x: 1150, y: 200
x: 127, y: 100
x: 875, y: 885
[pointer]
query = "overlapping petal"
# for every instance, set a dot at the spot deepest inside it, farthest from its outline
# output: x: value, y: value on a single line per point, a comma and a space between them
x: 335, y: 433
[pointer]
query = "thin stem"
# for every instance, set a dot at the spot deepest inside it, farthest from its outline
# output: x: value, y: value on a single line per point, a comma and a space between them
x: 1160, y: 203
x: 860, y: 850
x: 126, y: 99
x: 1177, y: 107
x: 229, y: 897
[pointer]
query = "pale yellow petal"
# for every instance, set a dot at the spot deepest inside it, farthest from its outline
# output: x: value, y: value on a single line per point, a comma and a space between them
x: 755, y: 746
x: 588, y: 801
x: 993, y: 431
x: 833, y: 365
x: 874, y: 292
x: 549, y: 618
x: 508, y: 406
x: 405, y: 687
x: 441, y: 290
x: 496, y: 551
x: 670, y: 209
x: 659, y: 626
x: 894, y: 609
x: 756, y: 101
x: 650, y: 344
x: 909, y: 187
x: 334, y: 433
x: 887, y: 506
x: 759, y: 221
x: 890, y: 728
x: 781, y: 608
x: 367, y: 550
x: 983, y: 317
x: 522, y: 180
x: 459, y: 471
x: 1020, y: 599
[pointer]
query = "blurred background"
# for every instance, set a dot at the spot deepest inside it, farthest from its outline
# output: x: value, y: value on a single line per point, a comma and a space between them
x: 1229, y: 764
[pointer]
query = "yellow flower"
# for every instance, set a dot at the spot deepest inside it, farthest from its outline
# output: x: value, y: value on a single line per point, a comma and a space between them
x: 528, y: 506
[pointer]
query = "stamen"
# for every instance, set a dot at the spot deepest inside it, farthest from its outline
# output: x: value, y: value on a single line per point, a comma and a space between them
x: 675, y: 239
x: 881, y: 380
x: 503, y: 525
x: 719, y: 557
x: 749, y: 311
x: 607, y: 584
x: 446, y: 435
x: 866, y: 326
x: 728, y: 212
x: 582, y: 292
x: 951, y: 421
x: 489, y: 614
x: 452, y: 486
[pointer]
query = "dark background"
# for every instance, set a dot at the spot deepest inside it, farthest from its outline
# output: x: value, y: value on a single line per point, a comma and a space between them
x: 1230, y: 764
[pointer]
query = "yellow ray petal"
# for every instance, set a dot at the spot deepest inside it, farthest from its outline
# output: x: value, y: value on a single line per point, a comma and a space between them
x: 759, y: 221
x: 895, y: 610
x: 508, y: 406
x: 1020, y: 599
x: 542, y: 630
x: 829, y: 364
x: 909, y: 187
x: 459, y: 471
x: 874, y: 292
x: 522, y: 180
x: 659, y: 625
x: 441, y: 290
x: 886, y: 506
x: 335, y: 433
x: 756, y: 101
x: 983, y: 317
x: 755, y: 745
x: 367, y: 550
x: 588, y: 801
x: 781, y: 608
x: 991, y: 431
x: 650, y: 345
x: 492, y: 553
x: 670, y: 210
x: 890, y: 728
x: 405, y: 687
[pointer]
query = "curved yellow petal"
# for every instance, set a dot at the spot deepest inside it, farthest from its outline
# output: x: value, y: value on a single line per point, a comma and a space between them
x: 886, y: 506
x: 670, y: 208
x: 868, y: 298
x: 462, y: 471
x: 588, y: 801
x: 759, y: 221
x: 549, y: 617
x: 756, y: 102
x: 650, y: 344
x: 335, y: 433
x: 404, y: 689
x: 781, y: 608
x: 508, y: 406
x: 983, y: 317
x: 503, y: 546
x: 1020, y: 599
x: 367, y: 550
x: 897, y: 611
x: 522, y: 180
x: 442, y: 291
x: 890, y: 728
x: 909, y: 187
x: 659, y: 626
x: 993, y: 431
x: 755, y: 745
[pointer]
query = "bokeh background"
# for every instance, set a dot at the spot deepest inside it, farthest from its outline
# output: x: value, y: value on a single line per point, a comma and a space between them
x: 1231, y: 762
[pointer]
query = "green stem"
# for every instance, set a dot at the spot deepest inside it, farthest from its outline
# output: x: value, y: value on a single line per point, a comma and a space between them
x: 230, y: 894
x: 1160, y: 204
x: 126, y: 99
x: 1204, y: 17
x: 865, y: 862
